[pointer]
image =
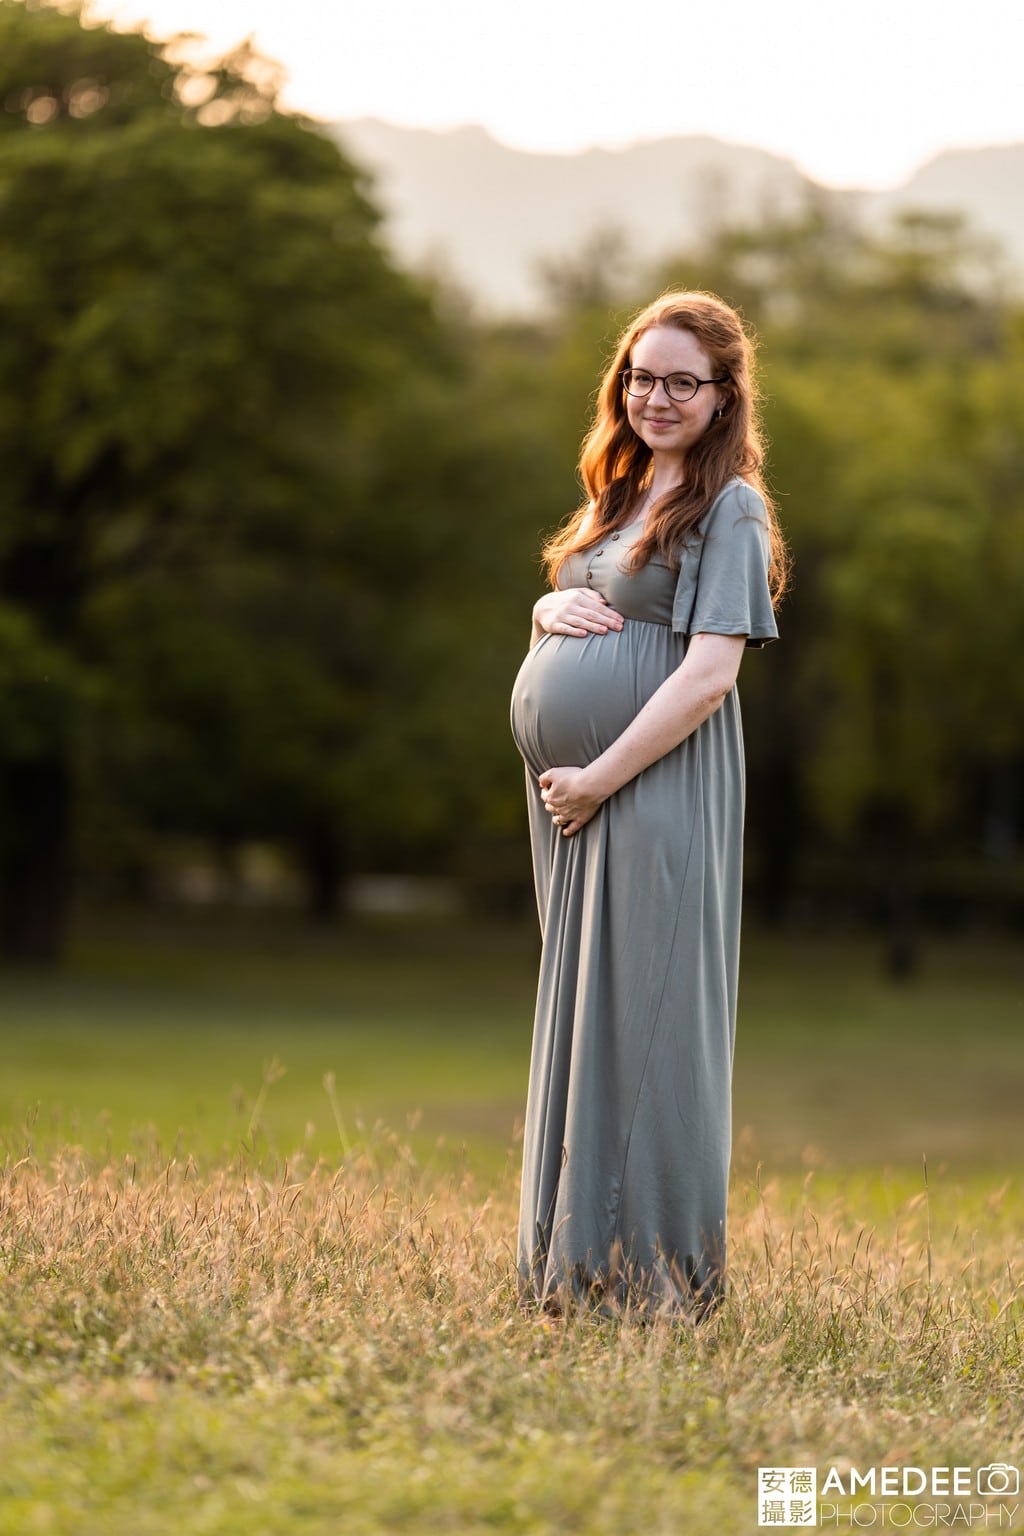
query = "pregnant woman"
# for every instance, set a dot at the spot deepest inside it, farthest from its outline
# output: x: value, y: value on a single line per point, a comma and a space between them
x: 626, y: 714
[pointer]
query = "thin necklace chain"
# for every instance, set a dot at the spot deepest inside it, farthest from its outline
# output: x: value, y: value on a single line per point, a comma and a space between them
x: 648, y: 503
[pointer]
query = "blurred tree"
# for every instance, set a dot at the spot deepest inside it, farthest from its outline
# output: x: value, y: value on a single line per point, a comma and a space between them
x: 271, y: 511
x: 892, y: 449
x: 199, y: 327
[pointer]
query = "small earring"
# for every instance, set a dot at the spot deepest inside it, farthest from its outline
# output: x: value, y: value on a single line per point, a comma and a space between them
x: 718, y: 414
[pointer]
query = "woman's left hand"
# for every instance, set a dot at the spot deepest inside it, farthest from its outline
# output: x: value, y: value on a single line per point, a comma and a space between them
x: 569, y: 798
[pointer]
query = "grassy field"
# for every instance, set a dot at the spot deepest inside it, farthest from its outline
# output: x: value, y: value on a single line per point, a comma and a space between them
x: 234, y: 1301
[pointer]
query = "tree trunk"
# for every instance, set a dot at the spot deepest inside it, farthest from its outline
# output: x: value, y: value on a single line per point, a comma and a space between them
x: 35, y: 857
x: 43, y: 575
x: 779, y: 829
x: 896, y: 860
x: 902, y: 925
x: 322, y: 855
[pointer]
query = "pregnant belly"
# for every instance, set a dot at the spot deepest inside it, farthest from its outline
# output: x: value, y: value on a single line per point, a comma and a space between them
x: 573, y: 697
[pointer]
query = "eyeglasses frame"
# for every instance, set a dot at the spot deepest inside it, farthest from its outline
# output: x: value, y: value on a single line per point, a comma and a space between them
x: 663, y: 378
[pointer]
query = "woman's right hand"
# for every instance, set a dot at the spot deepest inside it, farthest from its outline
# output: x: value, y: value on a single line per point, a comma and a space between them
x: 574, y: 611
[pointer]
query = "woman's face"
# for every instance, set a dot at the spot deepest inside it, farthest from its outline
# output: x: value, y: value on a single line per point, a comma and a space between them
x: 668, y: 426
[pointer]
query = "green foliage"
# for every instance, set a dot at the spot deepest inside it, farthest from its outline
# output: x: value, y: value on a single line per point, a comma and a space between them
x: 53, y: 69
x: 900, y: 490
x: 271, y: 509
x: 206, y: 346
x: 41, y: 686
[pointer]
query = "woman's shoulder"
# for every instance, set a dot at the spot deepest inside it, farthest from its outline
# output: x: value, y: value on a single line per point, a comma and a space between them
x: 737, y: 512
x: 738, y: 496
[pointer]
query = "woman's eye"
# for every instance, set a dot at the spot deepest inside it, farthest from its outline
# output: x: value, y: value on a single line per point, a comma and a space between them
x: 682, y: 381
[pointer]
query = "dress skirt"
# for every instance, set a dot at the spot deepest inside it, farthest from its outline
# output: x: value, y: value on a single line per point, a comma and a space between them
x: 628, y: 1119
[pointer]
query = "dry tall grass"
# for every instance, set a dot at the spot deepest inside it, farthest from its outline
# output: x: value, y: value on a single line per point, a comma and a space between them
x: 344, y: 1345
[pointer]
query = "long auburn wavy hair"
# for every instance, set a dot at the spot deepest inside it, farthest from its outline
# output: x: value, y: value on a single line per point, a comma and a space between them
x: 615, y: 465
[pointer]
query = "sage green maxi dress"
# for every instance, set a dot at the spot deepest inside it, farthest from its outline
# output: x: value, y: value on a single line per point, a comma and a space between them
x: 628, y: 1118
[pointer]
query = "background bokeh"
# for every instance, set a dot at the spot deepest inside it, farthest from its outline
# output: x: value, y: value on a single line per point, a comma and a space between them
x: 270, y: 507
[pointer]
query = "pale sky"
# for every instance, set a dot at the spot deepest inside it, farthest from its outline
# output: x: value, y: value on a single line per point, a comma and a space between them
x: 857, y: 95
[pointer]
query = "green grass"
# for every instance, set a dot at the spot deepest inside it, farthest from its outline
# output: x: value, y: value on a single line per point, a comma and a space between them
x: 220, y: 1313
x: 221, y: 1351
x: 161, y: 1040
x: 167, y: 1040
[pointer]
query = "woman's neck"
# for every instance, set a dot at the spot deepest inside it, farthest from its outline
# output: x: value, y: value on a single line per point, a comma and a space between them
x: 668, y: 471
x: 666, y: 476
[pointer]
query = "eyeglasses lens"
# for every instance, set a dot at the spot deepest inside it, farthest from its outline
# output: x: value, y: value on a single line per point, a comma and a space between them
x: 678, y: 386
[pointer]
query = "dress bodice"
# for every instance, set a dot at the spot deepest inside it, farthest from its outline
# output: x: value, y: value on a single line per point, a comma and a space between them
x: 644, y: 594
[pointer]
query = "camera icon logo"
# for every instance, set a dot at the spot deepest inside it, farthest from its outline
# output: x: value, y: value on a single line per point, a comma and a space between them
x: 999, y: 1479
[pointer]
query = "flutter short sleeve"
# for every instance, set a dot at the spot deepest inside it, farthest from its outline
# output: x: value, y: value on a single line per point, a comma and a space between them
x: 722, y: 588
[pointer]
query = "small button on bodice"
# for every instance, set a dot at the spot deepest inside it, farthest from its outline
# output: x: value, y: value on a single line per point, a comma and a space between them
x: 644, y: 594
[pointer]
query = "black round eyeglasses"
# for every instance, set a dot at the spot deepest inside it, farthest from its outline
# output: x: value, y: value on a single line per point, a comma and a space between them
x: 678, y: 386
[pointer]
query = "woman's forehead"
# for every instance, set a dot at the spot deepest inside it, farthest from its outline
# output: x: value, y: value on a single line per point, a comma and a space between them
x: 668, y: 349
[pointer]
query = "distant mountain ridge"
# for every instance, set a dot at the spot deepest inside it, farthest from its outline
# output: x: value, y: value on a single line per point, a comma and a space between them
x: 489, y: 216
